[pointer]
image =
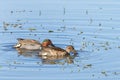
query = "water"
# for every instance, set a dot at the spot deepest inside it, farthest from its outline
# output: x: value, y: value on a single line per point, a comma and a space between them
x: 92, y: 27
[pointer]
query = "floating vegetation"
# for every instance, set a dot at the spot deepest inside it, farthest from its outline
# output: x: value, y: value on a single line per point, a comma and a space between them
x: 16, y: 62
x: 88, y: 66
x: 107, y: 43
x: 93, y: 43
x: 80, y: 33
x: 71, y: 71
x: 58, y: 30
x: 84, y: 44
x: 50, y: 31
x: 31, y: 29
x: 63, y: 20
x: 78, y: 69
x: 91, y: 20
x: 100, y: 29
x: 116, y: 73
x: 11, y: 32
x: 38, y: 62
x: 98, y: 49
x: 110, y: 48
x: 93, y: 75
x: 30, y: 34
x: 100, y: 24
x: 113, y: 28
x: 18, y: 20
x: 95, y: 36
x: 64, y: 11
x: 63, y: 27
x: 15, y: 25
x: 21, y: 11
x: 111, y: 19
x: 11, y: 11
x: 5, y: 24
x: 83, y: 38
x: 35, y: 34
x: 106, y: 48
x: 40, y: 13
x: 0, y: 66
x: 86, y: 12
x: 8, y: 24
x: 100, y: 8
x: 104, y: 73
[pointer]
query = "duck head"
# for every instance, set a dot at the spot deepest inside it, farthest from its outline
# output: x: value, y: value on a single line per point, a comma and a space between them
x: 47, y: 43
x: 70, y: 49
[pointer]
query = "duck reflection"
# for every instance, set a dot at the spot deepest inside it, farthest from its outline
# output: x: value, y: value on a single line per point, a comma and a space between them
x: 57, y: 59
x: 27, y: 53
x: 46, y: 59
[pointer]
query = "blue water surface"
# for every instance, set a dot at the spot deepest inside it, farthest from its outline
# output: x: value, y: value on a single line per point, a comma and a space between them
x: 92, y: 27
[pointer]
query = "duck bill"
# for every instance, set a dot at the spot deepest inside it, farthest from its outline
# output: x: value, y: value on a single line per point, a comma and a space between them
x: 17, y: 46
x: 74, y: 51
x: 52, y: 45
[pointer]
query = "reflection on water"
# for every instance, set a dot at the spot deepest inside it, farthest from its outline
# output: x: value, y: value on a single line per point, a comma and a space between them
x: 46, y: 59
x: 27, y: 53
x: 57, y: 60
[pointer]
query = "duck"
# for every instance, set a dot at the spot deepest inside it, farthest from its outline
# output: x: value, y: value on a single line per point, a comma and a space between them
x: 57, y: 51
x: 31, y: 44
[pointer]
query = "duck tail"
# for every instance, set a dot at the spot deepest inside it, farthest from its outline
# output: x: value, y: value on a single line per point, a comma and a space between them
x: 20, y: 39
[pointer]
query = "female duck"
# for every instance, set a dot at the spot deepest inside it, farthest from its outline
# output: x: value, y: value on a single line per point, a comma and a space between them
x: 56, y: 51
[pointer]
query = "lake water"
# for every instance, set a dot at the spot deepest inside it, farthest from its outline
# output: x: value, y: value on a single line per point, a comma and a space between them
x: 92, y: 27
